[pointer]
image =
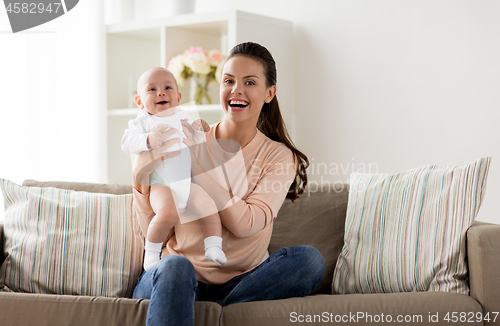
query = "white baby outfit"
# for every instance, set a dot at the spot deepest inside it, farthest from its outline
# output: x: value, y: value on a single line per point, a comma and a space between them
x: 174, y: 172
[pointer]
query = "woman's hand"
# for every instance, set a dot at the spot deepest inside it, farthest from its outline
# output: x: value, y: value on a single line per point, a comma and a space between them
x: 200, y: 125
x: 147, y: 161
x: 155, y: 139
x: 196, y: 167
x: 188, y: 131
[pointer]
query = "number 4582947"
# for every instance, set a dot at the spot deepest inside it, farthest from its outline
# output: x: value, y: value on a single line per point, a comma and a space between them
x: 470, y: 317
x: 32, y: 8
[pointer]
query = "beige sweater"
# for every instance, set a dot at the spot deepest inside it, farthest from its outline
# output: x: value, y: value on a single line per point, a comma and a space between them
x: 270, y: 170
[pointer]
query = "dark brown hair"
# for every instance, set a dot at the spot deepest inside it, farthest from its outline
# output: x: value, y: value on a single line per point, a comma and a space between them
x: 270, y: 121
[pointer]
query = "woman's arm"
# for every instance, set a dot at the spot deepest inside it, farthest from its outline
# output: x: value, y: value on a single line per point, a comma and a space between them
x: 245, y: 217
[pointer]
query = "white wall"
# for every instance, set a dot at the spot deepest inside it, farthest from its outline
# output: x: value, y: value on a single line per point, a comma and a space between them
x: 51, y: 91
x: 389, y: 85
x: 382, y: 86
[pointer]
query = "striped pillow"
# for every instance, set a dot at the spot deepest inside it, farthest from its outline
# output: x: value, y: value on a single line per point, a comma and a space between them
x: 69, y: 242
x: 406, y: 232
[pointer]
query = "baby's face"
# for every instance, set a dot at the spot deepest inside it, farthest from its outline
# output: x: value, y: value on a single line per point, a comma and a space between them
x: 157, y: 91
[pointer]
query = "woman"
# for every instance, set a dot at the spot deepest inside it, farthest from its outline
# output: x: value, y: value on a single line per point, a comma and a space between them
x: 252, y: 137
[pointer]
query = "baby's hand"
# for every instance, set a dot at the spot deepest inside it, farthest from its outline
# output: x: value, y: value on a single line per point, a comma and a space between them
x: 155, y: 139
x: 201, y: 125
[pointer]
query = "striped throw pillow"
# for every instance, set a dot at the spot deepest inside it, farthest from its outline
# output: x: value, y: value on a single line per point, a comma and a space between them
x: 69, y: 242
x: 406, y: 232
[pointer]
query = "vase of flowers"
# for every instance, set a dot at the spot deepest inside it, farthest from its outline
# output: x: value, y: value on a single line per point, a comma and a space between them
x: 202, y: 67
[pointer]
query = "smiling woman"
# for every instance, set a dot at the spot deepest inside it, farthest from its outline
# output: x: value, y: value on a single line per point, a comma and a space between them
x: 246, y: 204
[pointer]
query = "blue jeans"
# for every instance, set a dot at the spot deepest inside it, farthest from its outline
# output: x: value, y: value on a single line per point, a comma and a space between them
x: 172, y: 287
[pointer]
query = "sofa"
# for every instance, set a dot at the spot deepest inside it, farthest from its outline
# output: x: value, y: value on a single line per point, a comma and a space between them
x: 317, y: 219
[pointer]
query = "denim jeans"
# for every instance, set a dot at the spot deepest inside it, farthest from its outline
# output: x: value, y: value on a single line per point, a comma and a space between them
x: 172, y: 287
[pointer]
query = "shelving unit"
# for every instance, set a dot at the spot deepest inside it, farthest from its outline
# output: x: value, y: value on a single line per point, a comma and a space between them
x: 132, y: 47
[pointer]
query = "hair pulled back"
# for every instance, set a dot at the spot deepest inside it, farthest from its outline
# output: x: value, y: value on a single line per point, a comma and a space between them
x: 270, y: 121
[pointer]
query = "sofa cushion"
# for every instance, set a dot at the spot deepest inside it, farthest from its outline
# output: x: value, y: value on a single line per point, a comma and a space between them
x: 406, y: 232
x: 421, y: 308
x: 316, y: 219
x: 116, y: 189
x: 69, y: 242
x: 63, y: 310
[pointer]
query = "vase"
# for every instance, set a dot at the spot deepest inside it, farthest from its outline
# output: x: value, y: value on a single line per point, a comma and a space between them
x: 199, y: 89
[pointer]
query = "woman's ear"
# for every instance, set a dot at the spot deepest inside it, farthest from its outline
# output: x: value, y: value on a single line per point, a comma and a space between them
x: 271, y: 93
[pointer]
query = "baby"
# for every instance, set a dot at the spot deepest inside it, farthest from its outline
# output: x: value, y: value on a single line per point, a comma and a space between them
x: 158, y: 98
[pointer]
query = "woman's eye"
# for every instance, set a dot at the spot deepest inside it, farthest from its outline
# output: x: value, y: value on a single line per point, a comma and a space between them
x: 227, y: 81
x: 250, y: 82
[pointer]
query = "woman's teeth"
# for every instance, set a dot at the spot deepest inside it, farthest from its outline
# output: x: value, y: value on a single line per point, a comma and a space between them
x: 238, y: 104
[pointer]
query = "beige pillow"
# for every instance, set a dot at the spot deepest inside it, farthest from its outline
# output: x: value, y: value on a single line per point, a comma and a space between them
x: 316, y: 219
x: 406, y: 232
x: 69, y: 242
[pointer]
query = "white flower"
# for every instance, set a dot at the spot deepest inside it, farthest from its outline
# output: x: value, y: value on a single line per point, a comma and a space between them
x: 197, y: 62
x: 176, y: 67
x: 218, y: 72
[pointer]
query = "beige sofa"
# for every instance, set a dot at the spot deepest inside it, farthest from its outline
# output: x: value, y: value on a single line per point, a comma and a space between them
x: 316, y: 219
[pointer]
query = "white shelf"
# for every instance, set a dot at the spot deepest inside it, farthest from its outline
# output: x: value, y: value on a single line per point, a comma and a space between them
x: 212, y: 22
x: 135, y: 46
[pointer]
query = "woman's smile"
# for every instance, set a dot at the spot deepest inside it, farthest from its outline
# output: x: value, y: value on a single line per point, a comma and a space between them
x: 237, y: 104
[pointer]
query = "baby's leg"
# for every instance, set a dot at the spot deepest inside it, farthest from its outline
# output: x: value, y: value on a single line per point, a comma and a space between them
x: 164, y: 205
x: 202, y: 206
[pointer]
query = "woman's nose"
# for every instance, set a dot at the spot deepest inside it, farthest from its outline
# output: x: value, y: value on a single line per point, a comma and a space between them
x: 237, y: 89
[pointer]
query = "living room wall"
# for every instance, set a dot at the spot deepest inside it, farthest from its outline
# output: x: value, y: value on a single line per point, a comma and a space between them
x: 382, y: 86
x: 388, y: 85
x: 51, y: 86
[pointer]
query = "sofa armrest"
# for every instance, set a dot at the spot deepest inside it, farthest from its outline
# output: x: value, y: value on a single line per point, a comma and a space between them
x: 483, y: 255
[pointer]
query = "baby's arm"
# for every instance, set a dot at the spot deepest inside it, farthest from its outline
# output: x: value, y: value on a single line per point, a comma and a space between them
x: 134, y: 139
x: 137, y: 139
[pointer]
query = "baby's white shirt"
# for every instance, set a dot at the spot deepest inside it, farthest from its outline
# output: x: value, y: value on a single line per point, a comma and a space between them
x: 134, y: 139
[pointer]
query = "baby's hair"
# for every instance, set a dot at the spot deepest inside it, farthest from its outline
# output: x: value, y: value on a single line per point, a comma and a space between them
x: 140, y: 80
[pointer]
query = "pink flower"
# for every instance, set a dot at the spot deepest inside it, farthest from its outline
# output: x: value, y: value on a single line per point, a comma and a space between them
x: 195, y: 49
x: 215, y: 58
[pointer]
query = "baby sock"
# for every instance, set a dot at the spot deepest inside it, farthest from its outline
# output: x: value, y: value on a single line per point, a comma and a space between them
x: 213, y: 250
x: 152, y: 254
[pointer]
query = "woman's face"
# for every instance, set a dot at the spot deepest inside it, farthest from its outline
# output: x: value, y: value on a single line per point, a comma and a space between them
x: 243, y: 89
